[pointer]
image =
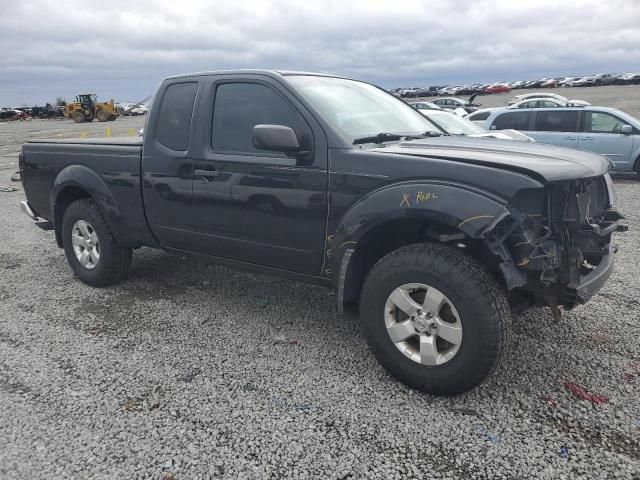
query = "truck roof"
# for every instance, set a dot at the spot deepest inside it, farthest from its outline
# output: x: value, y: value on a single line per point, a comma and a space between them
x: 270, y: 73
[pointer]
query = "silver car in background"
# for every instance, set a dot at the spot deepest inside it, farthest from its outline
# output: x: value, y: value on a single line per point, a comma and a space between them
x: 607, y: 131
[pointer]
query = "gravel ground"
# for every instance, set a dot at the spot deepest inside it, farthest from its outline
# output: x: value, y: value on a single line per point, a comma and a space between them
x: 189, y: 370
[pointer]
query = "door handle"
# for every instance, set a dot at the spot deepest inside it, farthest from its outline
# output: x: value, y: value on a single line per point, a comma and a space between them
x: 570, y: 138
x: 206, y: 173
x: 587, y: 138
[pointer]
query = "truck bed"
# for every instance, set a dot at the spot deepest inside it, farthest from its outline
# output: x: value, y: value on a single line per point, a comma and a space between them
x: 109, y: 166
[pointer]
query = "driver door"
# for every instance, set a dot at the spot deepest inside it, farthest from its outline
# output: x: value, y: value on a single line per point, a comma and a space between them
x: 256, y: 206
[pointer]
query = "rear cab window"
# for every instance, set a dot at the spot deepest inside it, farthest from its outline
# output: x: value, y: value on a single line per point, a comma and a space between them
x: 176, y: 112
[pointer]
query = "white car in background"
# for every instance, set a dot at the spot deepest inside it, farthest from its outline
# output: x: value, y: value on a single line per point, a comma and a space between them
x: 479, y: 116
x: 425, y: 106
x: 548, y: 103
x: 525, y: 96
x: 139, y: 110
x: 451, y: 90
x: 568, y: 81
x: 452, y: 124
x: 589, y: 81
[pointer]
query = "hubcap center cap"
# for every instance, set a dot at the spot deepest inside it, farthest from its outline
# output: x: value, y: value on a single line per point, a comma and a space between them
x: 422, y: 324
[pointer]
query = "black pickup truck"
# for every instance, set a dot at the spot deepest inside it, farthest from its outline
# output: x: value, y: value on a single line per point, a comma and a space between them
x: 334, y: 181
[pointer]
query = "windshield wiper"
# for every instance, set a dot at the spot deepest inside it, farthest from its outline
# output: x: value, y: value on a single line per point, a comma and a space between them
x: 388, y: 137
x: 379, y: 138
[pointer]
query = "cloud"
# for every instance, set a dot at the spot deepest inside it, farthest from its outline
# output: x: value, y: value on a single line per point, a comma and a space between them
x: 122, y: 49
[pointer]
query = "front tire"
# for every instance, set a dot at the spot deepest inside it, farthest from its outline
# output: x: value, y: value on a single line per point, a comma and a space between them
x: 78, y: 117
x: 434, y: 318
x: 91, y: 250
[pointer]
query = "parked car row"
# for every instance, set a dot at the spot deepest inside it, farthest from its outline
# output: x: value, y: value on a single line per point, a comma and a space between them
x: 476, y: 88
x: 502, y: 87
x: 580, y: 81
x: 12, y: 114
x: 415, y: 92
x: 22, y: 113
x: 601, y: 79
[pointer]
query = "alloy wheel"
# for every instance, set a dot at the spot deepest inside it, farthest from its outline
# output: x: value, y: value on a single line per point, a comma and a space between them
x: 423, y: 324
x: 86, y: 244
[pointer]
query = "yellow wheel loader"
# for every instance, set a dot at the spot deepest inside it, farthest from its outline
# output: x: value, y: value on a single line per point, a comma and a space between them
x: 86, y: 108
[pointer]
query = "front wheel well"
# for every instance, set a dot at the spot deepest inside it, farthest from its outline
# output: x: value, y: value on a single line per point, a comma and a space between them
x: 395, y: 234
x: 66, y: 197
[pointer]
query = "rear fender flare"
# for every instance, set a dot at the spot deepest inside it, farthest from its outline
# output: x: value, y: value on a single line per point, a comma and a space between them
x: 84, y: 178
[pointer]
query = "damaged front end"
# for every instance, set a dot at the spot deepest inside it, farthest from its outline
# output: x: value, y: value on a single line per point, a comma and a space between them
x: 555, y: 244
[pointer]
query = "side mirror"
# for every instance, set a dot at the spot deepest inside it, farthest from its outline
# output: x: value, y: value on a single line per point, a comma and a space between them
x: 277, y: 138
x: 626, y: 130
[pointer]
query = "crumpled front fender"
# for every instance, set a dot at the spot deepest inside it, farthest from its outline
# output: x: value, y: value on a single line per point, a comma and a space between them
x: 464, y: 209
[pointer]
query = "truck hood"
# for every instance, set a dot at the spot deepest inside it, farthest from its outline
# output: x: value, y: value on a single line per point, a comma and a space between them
x: 543, y: 162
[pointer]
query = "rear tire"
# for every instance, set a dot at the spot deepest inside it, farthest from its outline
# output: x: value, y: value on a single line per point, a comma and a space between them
x: 102, y: 115
x: 91, y: 250
x: 470, y: 300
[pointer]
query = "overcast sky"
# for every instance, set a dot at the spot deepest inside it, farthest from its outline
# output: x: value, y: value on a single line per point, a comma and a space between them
x: 122, y: 49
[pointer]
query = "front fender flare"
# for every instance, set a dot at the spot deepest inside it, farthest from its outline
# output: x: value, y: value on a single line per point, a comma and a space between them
x: 463, y: 208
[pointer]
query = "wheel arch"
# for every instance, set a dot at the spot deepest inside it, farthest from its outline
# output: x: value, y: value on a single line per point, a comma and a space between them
x: 75, y: 182
x: 408, y: 214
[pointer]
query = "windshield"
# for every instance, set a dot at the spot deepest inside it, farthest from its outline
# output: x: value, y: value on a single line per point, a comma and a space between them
x: 454, y: 125
x: 358, y: 109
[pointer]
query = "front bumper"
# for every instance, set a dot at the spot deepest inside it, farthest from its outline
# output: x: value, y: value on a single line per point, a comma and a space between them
x: 594, y: 280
